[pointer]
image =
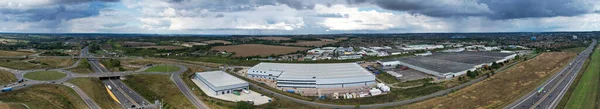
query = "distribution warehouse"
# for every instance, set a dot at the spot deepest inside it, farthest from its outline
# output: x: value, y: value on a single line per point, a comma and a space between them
x: 448, y: 65
x: 335, y: 75
x: 220, y: 82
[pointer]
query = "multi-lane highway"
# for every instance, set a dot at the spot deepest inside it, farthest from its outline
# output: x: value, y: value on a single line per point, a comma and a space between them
x: 547, y: 95
x: 127, y: 97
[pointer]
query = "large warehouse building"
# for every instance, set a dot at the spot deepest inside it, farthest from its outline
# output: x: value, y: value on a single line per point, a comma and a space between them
x: 335, y: 75
x: 220, y: 82
x: 448, y: 65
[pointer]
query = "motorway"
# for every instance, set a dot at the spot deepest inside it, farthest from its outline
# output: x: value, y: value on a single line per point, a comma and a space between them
x: 127, y: 97
x: 124, y: 94
x: 547, y: 95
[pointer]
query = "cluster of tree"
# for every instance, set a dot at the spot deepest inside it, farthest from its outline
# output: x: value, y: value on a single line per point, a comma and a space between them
x: 49, y: 46
x: 54, y: 53
x: 473, y: 74
x: 111, y: 63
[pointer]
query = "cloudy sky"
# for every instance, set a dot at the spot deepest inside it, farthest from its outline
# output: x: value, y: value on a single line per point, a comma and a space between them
x: 297, y: 16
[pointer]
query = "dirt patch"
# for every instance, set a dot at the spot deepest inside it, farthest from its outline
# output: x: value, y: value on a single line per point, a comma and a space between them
x: 258, y: 49
x: 503, y: 88
x: 274, y: 38
x: 13, y: 53
x: 216, y: 41
x: 163, y: 47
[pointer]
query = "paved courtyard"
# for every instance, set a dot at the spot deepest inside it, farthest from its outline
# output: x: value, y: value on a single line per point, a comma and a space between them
x: 257, y: 98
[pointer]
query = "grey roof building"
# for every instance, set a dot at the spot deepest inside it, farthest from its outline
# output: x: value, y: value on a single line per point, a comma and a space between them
x: 331, y: 75
x: 221, y: 82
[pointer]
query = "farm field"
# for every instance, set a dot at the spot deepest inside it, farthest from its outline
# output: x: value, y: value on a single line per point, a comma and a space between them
x: 312, y: 43
x: 585, y: 95
x: 274, y: 38
x: 13, y: 53
x: 162, y: 68
x: 502, y: 88
x: 137, y: 44
x: 94, y: 88
x: 258, y: 49
x: 216, y: 41
x: 163, y: 47
x: 158, y: 87
x: 7, y: 77
x: 45, y: 75
x: 45, y: 96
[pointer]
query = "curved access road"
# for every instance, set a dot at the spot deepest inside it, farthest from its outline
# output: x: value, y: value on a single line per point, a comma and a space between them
x: 176, y: 77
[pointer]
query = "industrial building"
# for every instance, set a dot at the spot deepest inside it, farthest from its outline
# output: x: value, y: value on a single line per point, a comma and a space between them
x: 331, y: 75
x: 448, y: 65
x: 220, y: 82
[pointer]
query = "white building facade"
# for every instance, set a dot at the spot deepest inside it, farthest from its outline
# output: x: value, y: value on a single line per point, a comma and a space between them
x: 336, y: 75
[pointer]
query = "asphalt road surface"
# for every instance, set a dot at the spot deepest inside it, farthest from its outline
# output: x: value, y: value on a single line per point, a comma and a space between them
x: 551, y: 92
x: 185, y: 89
x: 127, y: 97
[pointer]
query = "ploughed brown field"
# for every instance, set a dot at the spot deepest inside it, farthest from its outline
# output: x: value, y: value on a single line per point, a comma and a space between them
x: 503, y: 88
x: 163, y: 47
x: 244, y: 50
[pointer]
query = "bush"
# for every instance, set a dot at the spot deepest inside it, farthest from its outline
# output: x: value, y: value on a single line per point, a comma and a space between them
x: 243, y: 105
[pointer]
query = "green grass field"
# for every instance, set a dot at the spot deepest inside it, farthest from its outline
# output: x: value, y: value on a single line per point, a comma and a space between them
x: 45, y: 96
x: 574, y: 50
x: 585, y: 95
x: 7, y: 77
x: 45, y: 75
x: 165, y: 68
x: 158, y: 87
x: 94, y: 88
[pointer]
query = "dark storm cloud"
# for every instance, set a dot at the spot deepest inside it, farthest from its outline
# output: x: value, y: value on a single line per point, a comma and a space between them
x: 494, y: 9
x: 537, y: 8
x: 57, y: 12
x: 242, y: 5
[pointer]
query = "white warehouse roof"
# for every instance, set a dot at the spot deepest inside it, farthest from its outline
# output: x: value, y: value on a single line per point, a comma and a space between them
x: 318, y: 71
x: 219, y: 80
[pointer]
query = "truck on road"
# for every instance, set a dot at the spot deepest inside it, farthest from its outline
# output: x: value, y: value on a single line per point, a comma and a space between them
x: 7, y: 89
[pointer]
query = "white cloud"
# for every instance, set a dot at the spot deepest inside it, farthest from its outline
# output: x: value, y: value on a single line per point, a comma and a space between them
x: 374, y: 20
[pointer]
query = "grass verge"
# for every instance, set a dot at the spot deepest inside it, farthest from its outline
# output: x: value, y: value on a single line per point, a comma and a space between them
x: 585, y: 95
x: 94, y: 88
x: 12, y: 106
x: 7, y: 77
x: 158, y: 87
x: 502, y: 88
x: 83, y: 67
x: 162, y: 68
x: 45, y: 96
x: 45, y: 75
x: 38, y: 63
